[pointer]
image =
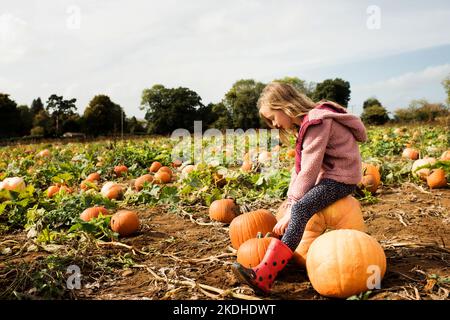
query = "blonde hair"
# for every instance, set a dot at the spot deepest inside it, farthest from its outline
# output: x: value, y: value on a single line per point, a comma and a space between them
x: 284, y: 97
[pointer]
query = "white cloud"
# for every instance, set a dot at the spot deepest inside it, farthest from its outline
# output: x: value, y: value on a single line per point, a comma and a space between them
x: 399, y: 91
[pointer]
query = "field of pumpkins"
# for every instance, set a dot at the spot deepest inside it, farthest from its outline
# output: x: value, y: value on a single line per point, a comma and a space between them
x: 134, y: 222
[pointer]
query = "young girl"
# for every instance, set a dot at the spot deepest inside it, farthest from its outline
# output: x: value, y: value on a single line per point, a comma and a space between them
x: 327, y: 168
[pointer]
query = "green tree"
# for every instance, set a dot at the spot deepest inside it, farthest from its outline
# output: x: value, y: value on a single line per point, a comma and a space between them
x: 168, y: 109
x: 8, y: 116
x: 221, y: 116
x: 446, y: 84
x: 371, y: 102
x: 421, y: 111
x: 60, y: 110
x: 375, y: 114
x: 103, y: 116
x: 36, y: 106
x: 42, y: 121
x: 134, y: 126
x: 336, y: 90
x: 241, y: 100
x: 302, y: 86
x: 26, y: 120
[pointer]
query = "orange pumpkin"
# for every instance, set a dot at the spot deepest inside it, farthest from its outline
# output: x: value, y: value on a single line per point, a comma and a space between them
x: 13, y: 184
x: 93, y: 177
x: 342, y: 263
x: 252, y: 251
x: 371, y: 177
x: 165, y: 169
x: 125, y: 222
x: 343, y: 214
x: 87, y: 184
x: 139, y: 182
x: 119, y: 170
x: 246, y: 166
x: 437, y: 179
x: 410, y: 153
x: 177, y: 163
x: 162, y: 177
x: 52, y: 190
x: 112, y: 190
x: 224, y: 210
x: 291, y: 153
x: 93, y: 212
x: 246, y: 226
x: 155, y: 166
x: 44, y: 153
x: 265, y: 157
x: 446, y: 156
x: 186, y: 170
x: 424, y: 172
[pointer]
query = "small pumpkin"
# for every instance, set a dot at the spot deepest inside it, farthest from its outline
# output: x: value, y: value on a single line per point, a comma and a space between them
x: 166, y: 169
x: 52, y: 190
x: 125, y: 222
x: 342, y: 263
x: 410, y: 153
x: 246, y: 166
x: 188, y: 169
x: 265, y: 157
x: 162, y: 177
x: 139, y: 182
x: 371, y: 177
x: 155, y: 166
x: 252, y: 251
x: 95, y: 176
x: 437, y: 179
x: 44, y: 154
x: 16, y: 184
x: 224, y: 210
x: 111, y: 190
x: 446, y: 156
x: 343, y: 214
x: 291, y: 153
x: 424, y: 172
x: 177, y: 163
x: 247, y: 226
x: 120, y: 170
x: 93, y: 212
x: 87, y: 184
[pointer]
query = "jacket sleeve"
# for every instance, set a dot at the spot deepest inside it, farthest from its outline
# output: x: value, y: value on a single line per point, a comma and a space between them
x: 314, y: 146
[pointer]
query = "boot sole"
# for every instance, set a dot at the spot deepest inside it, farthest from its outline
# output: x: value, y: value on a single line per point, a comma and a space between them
x: 245, y: 280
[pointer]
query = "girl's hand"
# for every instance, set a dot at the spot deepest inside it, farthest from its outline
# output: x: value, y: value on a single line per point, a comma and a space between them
x: 281, y: 226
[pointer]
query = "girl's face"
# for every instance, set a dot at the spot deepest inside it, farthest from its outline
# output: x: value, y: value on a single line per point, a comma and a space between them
x: 278, y: 118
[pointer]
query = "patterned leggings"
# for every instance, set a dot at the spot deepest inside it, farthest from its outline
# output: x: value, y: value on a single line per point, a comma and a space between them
x: 326, y: 192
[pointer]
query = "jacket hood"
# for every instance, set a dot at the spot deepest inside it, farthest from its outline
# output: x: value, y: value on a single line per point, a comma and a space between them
x: 351, y: 121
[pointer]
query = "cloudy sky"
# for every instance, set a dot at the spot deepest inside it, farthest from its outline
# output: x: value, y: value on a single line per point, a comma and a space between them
x: 394, y: 50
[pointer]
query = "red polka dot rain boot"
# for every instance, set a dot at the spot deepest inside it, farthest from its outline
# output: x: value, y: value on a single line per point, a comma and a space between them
x: 262, y: 276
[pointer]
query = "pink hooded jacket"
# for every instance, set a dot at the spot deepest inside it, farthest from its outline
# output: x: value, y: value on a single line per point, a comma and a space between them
x: 327, y: 147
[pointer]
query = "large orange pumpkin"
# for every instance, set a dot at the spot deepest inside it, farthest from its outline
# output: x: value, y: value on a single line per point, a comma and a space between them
x: 371, y: 177
x: 139, y: 182
x: 437, y: 179
x: 252, y: 251
x: 95, y: 176
x: 93, y: 212
x: 342, y: 263
x: 111, y: 190
x: 125, y: 222
x: 120, y: 170
x: 162, y: 177
x: 247, y: 226
x: 224, y: 210
x: 424, y: 172
x: 155, y: 166
x: 343, y: 214
x: 410, y: 153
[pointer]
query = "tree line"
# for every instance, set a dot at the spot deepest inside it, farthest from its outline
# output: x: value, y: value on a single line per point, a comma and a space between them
x: 167, y: 109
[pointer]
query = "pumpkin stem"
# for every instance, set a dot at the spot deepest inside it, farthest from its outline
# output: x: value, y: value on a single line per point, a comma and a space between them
x: 268, y: 235
x: 259, y: 235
